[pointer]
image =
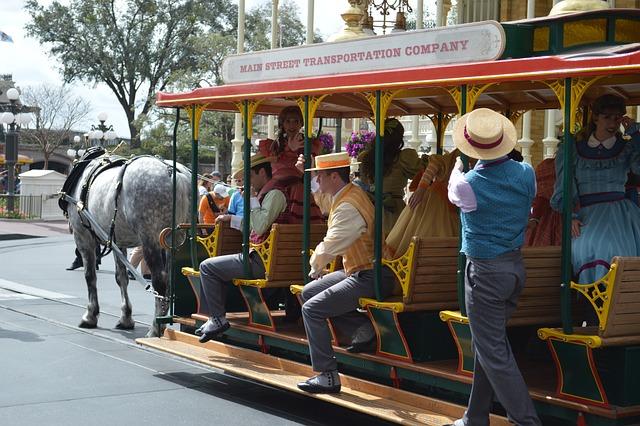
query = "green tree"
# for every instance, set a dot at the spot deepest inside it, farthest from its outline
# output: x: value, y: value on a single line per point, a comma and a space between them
x: 136, y: 48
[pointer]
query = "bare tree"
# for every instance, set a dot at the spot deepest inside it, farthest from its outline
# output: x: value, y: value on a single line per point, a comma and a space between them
x: 57, y: 112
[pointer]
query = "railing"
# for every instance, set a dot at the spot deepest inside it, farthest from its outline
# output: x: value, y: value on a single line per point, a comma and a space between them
x: 20, y: 206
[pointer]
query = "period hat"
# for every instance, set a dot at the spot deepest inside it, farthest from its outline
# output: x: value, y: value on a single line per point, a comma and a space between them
x: 484, y: 134
x: 336, y: 160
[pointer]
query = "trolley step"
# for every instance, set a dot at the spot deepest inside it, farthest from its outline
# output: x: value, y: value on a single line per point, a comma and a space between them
x: 381, y: 401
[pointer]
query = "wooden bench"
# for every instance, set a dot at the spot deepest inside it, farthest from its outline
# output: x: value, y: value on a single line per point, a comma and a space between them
x: 222, y: 241
x: 427, y: 276
x: 598, y: 365
x: 537, y: 305
x: 281, y: 254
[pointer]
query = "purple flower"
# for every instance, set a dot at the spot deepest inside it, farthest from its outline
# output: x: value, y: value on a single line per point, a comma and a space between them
x: 327, y: 143
x: 359, y: 141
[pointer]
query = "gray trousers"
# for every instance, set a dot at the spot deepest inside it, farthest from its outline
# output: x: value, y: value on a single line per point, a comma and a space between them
x: 492, y: 288
x: 216, y: 275
x: 336, y: 296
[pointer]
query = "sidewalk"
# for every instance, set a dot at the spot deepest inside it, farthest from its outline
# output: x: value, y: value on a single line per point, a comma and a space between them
x: 12, y: 229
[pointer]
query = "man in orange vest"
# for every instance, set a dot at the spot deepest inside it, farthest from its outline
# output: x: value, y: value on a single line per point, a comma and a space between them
x: 335, y: 295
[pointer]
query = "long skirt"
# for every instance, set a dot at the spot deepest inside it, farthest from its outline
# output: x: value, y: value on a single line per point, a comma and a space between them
x: 609, y: 229
x: 434, y: 217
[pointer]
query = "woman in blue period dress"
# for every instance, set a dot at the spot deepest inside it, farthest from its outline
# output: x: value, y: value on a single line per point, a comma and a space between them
x: 605, y: 223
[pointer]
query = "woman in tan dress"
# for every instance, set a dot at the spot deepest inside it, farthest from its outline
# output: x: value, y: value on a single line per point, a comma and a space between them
x: 429, y: 212
x: 400, y: 165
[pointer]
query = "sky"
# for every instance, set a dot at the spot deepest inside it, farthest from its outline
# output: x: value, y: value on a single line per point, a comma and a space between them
x: 31, y: 65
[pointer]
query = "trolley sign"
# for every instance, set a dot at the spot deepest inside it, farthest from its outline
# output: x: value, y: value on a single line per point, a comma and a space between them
x: 476, y: 42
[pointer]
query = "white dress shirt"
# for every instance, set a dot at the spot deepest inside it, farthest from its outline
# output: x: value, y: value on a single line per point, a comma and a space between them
x: 347, y: 226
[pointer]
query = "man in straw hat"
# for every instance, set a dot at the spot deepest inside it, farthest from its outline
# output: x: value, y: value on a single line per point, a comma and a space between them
x: 494, y: 199
x: 335, y: 295
x: 270, y: 205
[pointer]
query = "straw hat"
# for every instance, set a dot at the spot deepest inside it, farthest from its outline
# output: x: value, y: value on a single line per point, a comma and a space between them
x: 256, y: 160
x: 336, y: 160
x: 484, y: 134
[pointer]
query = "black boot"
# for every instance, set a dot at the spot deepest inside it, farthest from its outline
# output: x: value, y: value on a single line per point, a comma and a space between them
x: 77, y: 263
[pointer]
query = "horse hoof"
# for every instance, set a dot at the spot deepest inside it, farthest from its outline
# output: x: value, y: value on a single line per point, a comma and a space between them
x: 86, y: 324
x: 125, y: 325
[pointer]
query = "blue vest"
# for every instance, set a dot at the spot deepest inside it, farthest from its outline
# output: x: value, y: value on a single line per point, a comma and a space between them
x: 504, y: 190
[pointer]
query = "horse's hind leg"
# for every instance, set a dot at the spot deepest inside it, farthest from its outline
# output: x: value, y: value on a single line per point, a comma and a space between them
x: 87, y: 251
x: 153, y: 257
x: 125, y: 322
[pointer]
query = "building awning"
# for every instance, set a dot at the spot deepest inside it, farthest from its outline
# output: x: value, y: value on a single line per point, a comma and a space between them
x: 22, y: 159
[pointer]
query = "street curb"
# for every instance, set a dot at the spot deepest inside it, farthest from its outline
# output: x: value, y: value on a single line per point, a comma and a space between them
x: 7, y: 244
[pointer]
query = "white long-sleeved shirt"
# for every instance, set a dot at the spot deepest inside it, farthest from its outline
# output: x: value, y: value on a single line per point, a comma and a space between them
x: 347, y: 225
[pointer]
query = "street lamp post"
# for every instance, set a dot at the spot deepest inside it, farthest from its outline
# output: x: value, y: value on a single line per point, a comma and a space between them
x: 14, y: 116
x: 77, y: 151
x: 102, y: 132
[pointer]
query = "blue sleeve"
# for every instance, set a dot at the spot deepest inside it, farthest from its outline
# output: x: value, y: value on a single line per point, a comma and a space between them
x: 634, y: 160
x: 233, y: 205
x: 556, y: 198
x: 530, y: 181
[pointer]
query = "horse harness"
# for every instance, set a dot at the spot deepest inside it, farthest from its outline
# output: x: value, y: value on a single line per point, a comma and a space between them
x: 105, y: 163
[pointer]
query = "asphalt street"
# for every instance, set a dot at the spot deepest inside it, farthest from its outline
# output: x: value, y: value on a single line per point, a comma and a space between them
x: 54, y: 373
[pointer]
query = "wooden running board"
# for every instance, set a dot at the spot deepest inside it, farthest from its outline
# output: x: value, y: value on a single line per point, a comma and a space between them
x: 388, y: 403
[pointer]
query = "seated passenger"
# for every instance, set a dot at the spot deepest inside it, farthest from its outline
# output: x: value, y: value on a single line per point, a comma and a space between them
x: 285, y: 149
x: 399, y: 165
x: 336, y: 295
x: 605, y: 224
x: 272, y: 204
x: 213, y: 203
x: 236, y: 201
x: 429, y: 212
x: 545, y: 224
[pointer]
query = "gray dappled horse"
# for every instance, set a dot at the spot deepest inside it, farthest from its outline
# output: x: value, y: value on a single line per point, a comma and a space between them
x: 144, y: 208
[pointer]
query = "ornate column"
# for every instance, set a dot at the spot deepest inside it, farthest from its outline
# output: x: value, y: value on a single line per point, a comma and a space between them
x: 526, y: 142
x: 310, y: 25
x: 274, y: 44
x: 550, y: 141
x: 441, y: 16
x: 415, y: 120
x: 237, y: 142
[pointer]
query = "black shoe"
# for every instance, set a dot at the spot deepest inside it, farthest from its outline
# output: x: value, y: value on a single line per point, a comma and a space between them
x: 77, y: 263
x: 359, y: 347
x: 214, y: 333
x: 147, y: 276
x: 130, y: 275
x: 97, y: 266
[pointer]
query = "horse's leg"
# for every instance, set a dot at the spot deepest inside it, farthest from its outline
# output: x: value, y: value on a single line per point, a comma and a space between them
x: 125, y: 322
x: 153, y: 257
x: 87, y: 248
